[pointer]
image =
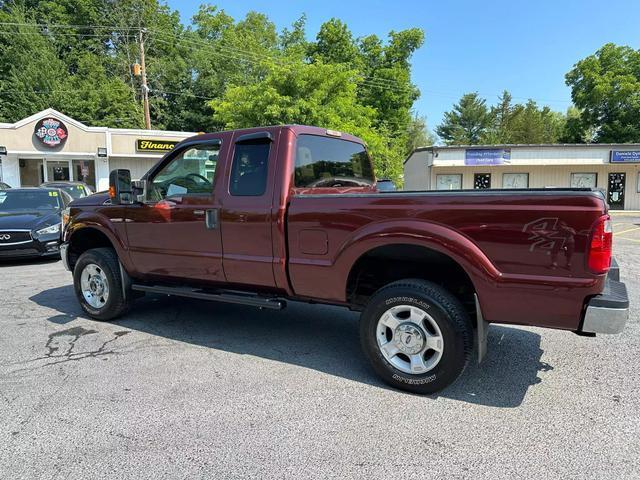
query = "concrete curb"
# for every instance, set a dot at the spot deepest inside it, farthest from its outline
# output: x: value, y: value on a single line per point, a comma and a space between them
x: 622, y: 213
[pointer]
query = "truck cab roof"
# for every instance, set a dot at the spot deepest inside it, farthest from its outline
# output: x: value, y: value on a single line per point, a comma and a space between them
x: 296, y: 129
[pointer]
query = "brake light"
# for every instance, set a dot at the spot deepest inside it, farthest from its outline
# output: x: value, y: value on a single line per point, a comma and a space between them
x: 601, y: 244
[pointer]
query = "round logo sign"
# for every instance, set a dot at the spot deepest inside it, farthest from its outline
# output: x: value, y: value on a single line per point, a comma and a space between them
x: 51, y: 132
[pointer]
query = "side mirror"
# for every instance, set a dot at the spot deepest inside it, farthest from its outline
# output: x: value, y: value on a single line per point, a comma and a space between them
x: 120, y: 191
x: 385, y: 185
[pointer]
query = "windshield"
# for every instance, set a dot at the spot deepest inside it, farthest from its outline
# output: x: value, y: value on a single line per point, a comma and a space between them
x: 12, y: 200
x: 76, y: 191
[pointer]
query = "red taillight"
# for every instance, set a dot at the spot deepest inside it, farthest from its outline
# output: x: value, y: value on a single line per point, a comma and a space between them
x: 600, y: 247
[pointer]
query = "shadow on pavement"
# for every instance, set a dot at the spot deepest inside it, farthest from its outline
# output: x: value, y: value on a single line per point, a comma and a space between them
x: 17, y: 262
x: 317, y: 337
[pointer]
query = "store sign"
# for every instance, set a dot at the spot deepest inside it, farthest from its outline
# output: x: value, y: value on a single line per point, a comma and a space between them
x: 155, y: 145
x: 51, y: 132
x: 625, y: 156
x: 487, y: 156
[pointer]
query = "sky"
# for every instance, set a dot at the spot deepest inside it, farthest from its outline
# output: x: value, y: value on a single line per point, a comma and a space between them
x: 487, y: 46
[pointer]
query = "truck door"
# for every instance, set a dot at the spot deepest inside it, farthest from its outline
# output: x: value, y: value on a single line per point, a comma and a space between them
x: 176, y: 233
x: 246, y: 216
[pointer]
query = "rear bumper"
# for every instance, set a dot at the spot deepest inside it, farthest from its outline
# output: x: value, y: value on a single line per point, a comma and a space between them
x: 609, y: 311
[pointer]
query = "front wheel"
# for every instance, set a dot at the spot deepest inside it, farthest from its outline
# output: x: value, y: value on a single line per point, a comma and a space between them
x: 417, y: 335
x: 98, y: 284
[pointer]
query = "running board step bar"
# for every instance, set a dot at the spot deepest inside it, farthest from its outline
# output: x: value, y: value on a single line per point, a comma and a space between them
x: 222, y: 296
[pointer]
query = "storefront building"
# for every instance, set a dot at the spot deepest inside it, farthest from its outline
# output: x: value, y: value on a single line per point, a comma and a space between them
x: 614, y: 168
x: 50, y: 146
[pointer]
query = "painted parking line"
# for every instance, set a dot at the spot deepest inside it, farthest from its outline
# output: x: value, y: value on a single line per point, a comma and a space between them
x: 629, y: 239
x: 627, y: 231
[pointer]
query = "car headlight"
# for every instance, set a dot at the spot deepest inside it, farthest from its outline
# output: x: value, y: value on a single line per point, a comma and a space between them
x: 49, y: 230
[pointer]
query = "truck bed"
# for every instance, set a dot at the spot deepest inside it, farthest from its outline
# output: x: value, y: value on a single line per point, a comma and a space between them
x: 519, y: 247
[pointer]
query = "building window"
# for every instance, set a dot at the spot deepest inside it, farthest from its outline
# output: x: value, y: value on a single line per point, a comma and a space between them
x: 84, y: 171
x: 515, y: 180
x: 638, y: 186
x: 584, y: 180
x: 449, y: 182
x: 481, y: 181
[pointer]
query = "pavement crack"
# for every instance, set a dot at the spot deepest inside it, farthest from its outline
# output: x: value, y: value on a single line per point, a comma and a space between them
x: 69, y: 354
x: 74, y: 332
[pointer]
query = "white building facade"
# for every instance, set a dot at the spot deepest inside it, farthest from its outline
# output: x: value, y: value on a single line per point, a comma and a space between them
x: 51, y: 146
x: 614, y: 168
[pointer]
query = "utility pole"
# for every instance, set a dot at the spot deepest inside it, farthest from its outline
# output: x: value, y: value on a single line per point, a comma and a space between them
x: 145, y: 88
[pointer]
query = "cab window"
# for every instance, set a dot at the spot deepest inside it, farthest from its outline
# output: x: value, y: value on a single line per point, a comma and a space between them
x: 190, y: 172
x: 331, y: 162
x: 250, y: 168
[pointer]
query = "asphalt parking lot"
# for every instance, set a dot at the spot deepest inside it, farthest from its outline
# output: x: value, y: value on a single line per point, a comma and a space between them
x: 189, y: 389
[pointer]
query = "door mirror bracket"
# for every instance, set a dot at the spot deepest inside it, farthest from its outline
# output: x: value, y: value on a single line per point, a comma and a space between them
x: 139, y: 190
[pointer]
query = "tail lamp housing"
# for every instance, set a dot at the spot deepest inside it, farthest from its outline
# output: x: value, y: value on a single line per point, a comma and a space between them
x: 600, y: 246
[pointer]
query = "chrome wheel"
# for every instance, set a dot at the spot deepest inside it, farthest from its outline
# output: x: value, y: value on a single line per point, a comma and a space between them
x: 410, y: 339
x: 94, y: 285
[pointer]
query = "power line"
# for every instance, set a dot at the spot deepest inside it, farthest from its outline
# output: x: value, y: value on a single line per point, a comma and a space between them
x: 68, y: 26
x: 81, y: 35
x: 235, y: 53
x: 231, y: 54
x: 256, y: 57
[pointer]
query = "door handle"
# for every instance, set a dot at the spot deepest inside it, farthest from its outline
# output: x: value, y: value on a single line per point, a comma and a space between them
x: 211, y: 218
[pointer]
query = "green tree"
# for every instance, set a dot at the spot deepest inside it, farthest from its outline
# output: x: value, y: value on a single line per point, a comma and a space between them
x: 313, y: 94
x: 418, y: 134
x: 67, y: 68
x: 386, y: 77
x: 335, y: 44
x: 574, y: 130
x: 530, y: 124
x: 101, y: 99
x: 32, y: 76
x: 293, y: 42
x: 605, y: 86
x: 502, y: 113
x: 467, y: 123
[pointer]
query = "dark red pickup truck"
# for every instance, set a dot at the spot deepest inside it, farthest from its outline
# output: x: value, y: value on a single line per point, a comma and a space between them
x: 265, y: 215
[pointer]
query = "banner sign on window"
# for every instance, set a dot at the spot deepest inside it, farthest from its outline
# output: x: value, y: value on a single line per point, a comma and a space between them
x: 487, y: 156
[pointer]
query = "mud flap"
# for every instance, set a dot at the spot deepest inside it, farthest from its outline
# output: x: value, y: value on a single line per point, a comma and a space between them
x: 126, y: 283
x: 482, y: 332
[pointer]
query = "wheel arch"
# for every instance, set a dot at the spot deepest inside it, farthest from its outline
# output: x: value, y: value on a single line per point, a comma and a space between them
x: 85, y: 237
x: 405, y: 248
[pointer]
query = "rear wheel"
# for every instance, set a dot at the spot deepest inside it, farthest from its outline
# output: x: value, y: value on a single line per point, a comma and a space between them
x: 417, y: 335
x: 98, y: 284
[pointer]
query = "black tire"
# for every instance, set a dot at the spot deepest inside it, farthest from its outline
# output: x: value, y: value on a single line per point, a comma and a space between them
x: 450, y: 317
x: 116, y: 304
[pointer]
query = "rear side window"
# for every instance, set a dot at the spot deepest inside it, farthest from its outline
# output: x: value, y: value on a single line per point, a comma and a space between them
x: 331, y: 162
x: 250, y: 167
